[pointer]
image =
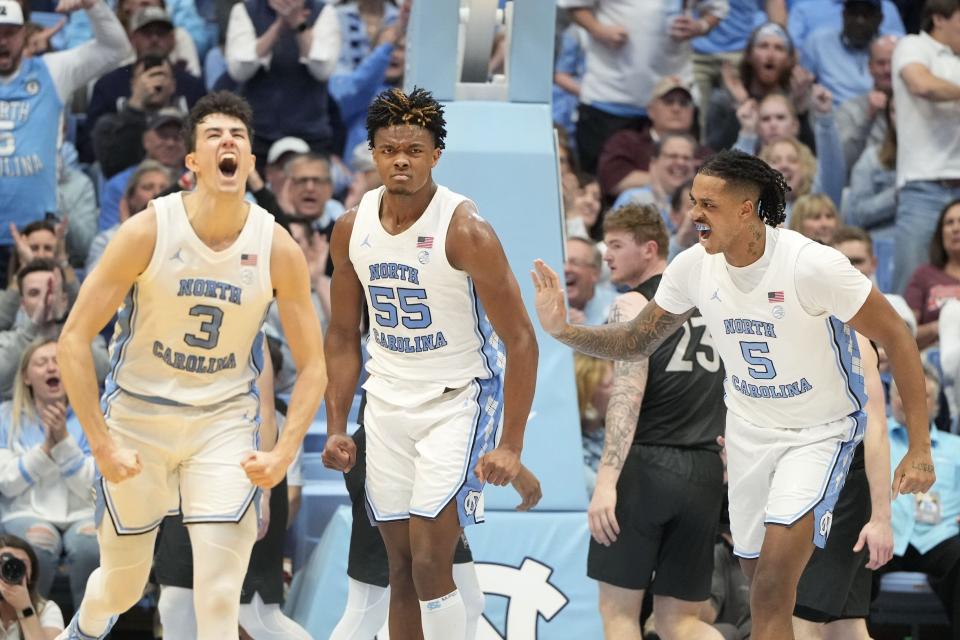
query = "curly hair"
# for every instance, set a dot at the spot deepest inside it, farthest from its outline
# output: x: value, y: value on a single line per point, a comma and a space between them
x: 393, y: 108
x: 223, y: 102
x: 743, y: 169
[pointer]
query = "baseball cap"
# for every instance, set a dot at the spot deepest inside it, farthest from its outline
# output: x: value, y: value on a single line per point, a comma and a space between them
x: 11, y: 13
x: 284, y: 146
x: 668, y: 84
x: 165, y: 116
x: 149, y: 15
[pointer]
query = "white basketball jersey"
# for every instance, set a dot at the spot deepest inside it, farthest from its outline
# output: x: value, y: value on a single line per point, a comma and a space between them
x: 189, y: 330
x: 784, y: 367
x: 427, y: 326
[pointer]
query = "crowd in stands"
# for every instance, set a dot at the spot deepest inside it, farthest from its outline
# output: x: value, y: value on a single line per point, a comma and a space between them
x: 856, y: 102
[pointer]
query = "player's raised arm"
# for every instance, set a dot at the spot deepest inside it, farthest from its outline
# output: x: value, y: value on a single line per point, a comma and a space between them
x: 635, y: 339
x: 473, y: 247
x: 103, y: 291
x: 342, y: 345
x: 878, y: 321
x: 291, y: 283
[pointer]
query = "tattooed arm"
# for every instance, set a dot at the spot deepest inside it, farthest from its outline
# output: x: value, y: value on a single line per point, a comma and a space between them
x: 632, y: 340
x: 623, y: 411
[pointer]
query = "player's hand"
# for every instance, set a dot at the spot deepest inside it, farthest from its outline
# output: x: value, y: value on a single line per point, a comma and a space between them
x: 340, y: 452
x: 117, y: 464
x: 601, y: 514
x: 915, y: 473
x: 264, y: 523
x: 498, y: 467
x: 878, y: 536
x: 528, y: 486
x: 265, y: 468
x: 550, y: 303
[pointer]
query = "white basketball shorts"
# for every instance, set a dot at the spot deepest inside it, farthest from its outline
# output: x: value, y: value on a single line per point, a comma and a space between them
x: 420, y: 458
x: 191, y: 462
x: 777, y: 476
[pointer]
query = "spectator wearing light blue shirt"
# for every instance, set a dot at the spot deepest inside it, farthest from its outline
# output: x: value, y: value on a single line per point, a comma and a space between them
x: 568, y: 70
x: 839, y: 57
x: 807, y: 17
x: 925, y: 529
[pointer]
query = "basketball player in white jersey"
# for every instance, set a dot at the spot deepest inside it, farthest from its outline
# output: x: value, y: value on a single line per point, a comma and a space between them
x: 781, y: 309
x: 177, y: 428
x: 437, y: 285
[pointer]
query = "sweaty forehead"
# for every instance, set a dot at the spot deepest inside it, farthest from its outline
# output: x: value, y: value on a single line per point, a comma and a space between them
x: 402, y: 135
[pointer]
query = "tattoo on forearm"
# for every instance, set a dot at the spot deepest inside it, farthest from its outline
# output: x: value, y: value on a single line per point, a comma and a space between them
x: 631, y: 340
x: 922, y: 466
x: 629, y: 382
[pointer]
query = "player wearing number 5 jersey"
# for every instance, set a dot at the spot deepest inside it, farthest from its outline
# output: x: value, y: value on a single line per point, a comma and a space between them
x: 178, y: 427
x: 445, y: 316
x: 659, y: 489
x: 782, y: 311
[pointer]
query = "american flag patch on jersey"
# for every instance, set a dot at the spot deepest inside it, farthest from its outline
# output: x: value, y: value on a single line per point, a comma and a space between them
x: 248, y: 259
x: 424, y: 242
x: 774, y: 296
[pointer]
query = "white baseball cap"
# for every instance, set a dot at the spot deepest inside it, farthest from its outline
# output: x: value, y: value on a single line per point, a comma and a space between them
x: 283, y: 146
x: 11, y: 13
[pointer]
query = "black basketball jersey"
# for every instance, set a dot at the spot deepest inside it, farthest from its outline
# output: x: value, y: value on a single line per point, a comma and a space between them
x: 683, y: 402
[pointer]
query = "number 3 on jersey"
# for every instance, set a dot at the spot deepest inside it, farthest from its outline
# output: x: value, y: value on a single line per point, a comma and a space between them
x: 210, y: 326
x: 703, y: 350
x: 413, y: 313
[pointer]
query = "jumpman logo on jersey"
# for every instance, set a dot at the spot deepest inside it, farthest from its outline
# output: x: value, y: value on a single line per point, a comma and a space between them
x: 366, y: 242
x: 177, y: 256
x: 716, y: 296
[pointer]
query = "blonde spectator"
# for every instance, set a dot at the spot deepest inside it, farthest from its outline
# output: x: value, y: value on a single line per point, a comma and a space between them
x: 47, y: 471
x: 815, y: 216
x: 594, y: 383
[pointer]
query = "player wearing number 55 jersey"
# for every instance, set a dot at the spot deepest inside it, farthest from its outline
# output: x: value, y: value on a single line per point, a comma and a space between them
x: 178, y: 428
x: 445, y: 318
x: 654, y: 512
x: 781, y: 310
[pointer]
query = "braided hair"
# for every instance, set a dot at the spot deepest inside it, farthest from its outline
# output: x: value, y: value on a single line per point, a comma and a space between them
x: 738, y: 168
x: 393, y: 107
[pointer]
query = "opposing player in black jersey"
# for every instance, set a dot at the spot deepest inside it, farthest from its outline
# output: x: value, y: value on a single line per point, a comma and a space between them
x: 659, y: 489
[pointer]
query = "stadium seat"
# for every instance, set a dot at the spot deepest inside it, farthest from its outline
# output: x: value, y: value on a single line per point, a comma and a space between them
x: 906, y: 598
x: 320, y: 499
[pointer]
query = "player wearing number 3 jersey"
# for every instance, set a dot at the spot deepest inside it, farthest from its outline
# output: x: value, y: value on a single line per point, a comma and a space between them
x: 781, y: 310
x: 445, y: 318
x: 179, y: 421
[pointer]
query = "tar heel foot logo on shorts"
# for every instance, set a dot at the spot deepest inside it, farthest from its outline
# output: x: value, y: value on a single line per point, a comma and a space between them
x: 529, y: 594
x: 826, y: 521
x: 473, y: 505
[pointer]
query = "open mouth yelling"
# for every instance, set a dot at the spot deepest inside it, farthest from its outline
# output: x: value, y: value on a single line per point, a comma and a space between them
x: 227, y: 165
x: 53, y: 383
x: 703, y: 230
